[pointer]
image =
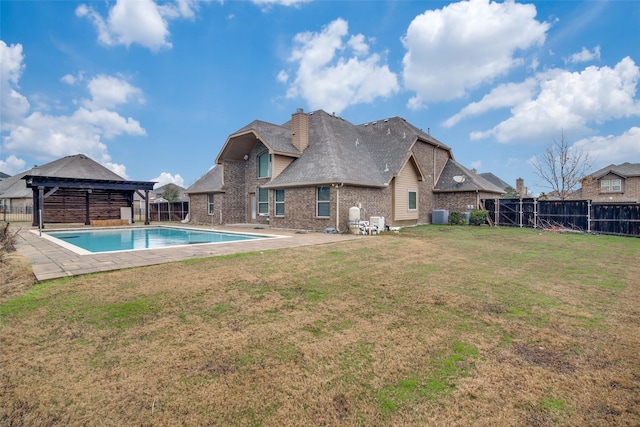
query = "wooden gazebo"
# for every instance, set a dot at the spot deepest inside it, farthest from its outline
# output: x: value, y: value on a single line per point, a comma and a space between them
x: 76, y: 189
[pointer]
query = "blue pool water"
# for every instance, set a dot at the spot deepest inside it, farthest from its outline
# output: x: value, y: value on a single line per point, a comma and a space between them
x: 125, y: 239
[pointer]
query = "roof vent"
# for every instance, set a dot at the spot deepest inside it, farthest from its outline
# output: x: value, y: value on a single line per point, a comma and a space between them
x: 459, y: 179
x: 388, y: 131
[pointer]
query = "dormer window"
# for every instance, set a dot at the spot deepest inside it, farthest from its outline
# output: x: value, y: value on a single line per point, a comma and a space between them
x: 264, y: 165
x: 610, y: 185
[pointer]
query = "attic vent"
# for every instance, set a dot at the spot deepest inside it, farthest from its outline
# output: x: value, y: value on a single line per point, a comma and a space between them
x: 386, y: 120
x: 366, y: 124
x: 374, y: 123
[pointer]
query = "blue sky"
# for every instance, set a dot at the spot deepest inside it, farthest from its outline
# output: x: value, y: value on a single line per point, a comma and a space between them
x: 152, y: 89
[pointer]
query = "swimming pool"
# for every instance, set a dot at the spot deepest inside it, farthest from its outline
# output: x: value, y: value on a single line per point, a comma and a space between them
x: 85, y: 242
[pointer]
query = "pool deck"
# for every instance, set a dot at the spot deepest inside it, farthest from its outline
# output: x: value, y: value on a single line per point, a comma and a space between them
x: 50, y: 261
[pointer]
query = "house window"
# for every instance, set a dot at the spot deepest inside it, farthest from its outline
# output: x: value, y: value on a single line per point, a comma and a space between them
x: 323, y: 197
x: 279, y: 203
x: 263, y: 201
x: 210, y: 203
x: 413, y: 200
x: 610, y: 185
x: 264, y: 165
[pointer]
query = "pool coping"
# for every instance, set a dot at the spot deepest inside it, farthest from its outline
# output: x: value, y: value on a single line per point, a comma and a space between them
x: 51, y: 261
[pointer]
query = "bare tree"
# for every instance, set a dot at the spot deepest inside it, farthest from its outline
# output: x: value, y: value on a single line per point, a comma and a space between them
x: 562, y: 167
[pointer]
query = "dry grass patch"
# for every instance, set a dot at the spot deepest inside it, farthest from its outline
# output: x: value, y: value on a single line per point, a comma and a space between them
x: 432, y: 326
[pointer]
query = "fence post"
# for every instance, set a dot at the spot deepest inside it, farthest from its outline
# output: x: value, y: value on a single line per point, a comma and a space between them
x: 520, y: 217
x: 589, y: 216
x: 535, y: 212
x: 497, y: 211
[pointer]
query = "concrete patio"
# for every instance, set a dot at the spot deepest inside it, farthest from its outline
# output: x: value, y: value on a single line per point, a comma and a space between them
x: 51, y: 261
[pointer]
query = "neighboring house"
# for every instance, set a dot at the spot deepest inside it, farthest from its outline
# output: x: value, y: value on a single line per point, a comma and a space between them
x: 3, y: 176
x: 157, y: 195
x: 614, y: 183
x: 73, y: 189
x: 307, y: 174
x: 15, y: 196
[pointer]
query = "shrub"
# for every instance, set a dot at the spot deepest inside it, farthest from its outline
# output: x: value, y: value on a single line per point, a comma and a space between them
x: 457, y: 218
x: 478, y: 217
x: 7, y: 239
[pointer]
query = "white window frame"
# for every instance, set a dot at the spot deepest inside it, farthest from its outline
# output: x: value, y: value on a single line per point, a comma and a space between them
x: 262, y: 204
x: 323, y: 202
x: 278, y: 203
x: 409, y: 200
x: 210, y: 203
x: 260, y: 156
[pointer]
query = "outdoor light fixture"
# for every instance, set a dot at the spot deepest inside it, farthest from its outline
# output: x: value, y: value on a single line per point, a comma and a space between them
x: 246, y: 156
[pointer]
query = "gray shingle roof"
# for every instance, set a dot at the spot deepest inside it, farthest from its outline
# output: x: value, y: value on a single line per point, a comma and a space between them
x: 624, y: 170
x: 208, y: 183
x: 15, y: 187
x: 78, y: 166
x: 341, y: 152
x: 3, y: 175
x: 369, y: 154
x: 494, y: 180
x: 276, y: 137
x: 470, y: 181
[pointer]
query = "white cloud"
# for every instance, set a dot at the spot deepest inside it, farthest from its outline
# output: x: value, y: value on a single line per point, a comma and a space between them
x: 46, y: 137
x: 477, y: 164
x: 283, y: 76
x: 12, y: 104
x: 504, y: 95
x: 140, y: 22
x: 604, y: 150
x: 328, y: 77
x: 585, y: 55
x: 12, y: 165
x: 166, y: 178
x: 109, y: 91
x: 465, y: 44
x: 268, y: 3
x: 570, y: 101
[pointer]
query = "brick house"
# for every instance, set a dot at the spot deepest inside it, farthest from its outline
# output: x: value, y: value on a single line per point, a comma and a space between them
x: 613, y: 183
x: 308, y: 172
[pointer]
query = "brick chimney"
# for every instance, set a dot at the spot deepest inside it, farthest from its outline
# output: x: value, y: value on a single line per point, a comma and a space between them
x: 300, y: 130
x: 520, y: 188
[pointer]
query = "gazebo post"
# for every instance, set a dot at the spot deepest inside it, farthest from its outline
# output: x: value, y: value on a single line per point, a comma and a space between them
x: 146, y: 207
x: 87, y: 220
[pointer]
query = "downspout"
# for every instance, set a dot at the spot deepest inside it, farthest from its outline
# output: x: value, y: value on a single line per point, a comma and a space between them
x: 337, y: 204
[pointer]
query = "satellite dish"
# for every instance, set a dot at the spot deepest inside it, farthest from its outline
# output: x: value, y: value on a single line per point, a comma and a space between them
x: 459, y: 179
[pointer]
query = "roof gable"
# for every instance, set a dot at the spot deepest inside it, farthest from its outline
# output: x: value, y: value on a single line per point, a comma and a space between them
x: 624, y: 170
x: 455, y: 177
x: 276, y: 138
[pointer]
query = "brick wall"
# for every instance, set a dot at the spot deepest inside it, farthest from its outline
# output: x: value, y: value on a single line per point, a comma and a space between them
x: 431, y: 161
x: 300, y: 207
x: 460, y: 201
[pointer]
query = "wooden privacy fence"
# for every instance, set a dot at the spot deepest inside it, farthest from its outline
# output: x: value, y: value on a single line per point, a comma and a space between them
x: 168, y: 211
x: 582, y: 215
